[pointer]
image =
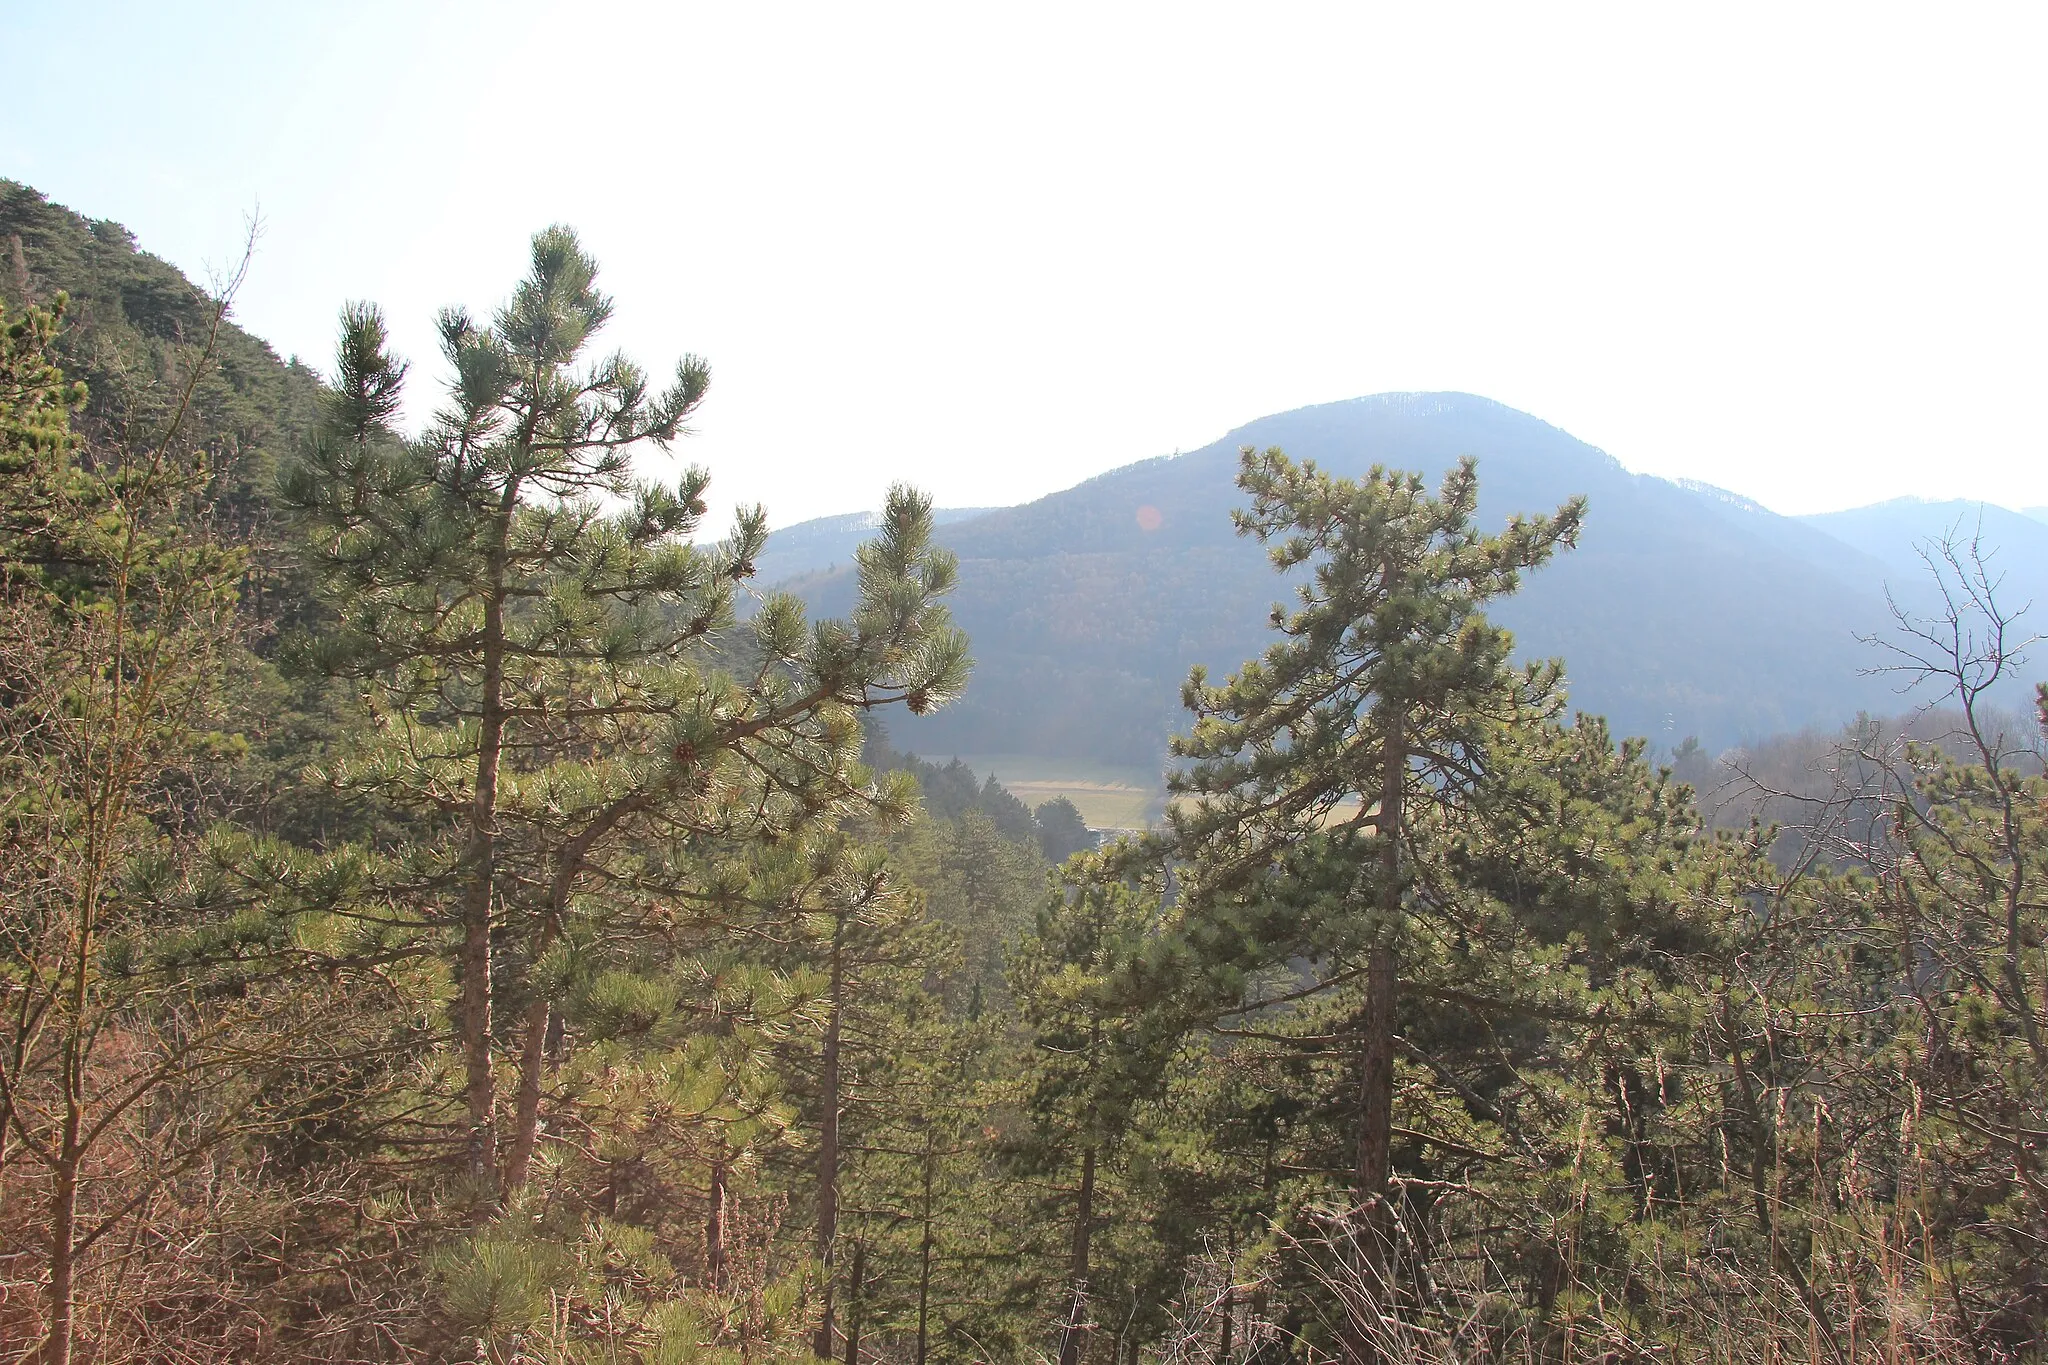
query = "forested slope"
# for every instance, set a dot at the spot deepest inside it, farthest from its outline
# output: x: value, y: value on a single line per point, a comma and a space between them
x: 1684, y: 610
x: 2015, y: 544
x: 132, y: 321
x: 437, y: 924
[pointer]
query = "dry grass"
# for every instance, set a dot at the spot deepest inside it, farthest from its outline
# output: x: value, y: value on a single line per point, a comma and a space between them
x: 1863, y: 1301
x: 1108, y: 795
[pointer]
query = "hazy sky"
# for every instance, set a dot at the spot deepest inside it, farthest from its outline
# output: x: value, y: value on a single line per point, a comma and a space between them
x: 1797, y: 251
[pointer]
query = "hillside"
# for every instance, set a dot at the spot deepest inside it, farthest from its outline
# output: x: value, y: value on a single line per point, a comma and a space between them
x: 1686, y: 610
x: 134, y: 321
x: 2016, y: 543
x: 435, y: 929
x: 823, y: 542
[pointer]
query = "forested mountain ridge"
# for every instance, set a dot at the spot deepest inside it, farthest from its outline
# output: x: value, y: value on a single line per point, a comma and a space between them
x: 825, y: 541
x: 1684, y: 611
x: 598, y: 983
x: 132, y: 319
x: 2015, y: 543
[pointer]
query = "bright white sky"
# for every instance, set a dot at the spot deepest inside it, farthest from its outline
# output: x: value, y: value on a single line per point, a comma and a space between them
x: 1797, y: 251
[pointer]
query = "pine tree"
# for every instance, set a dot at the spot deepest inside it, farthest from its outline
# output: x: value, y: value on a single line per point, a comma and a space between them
x: 36, y: 403
x: 1373, y: 712
x: 558, y: 679
x: 1099, y: 1053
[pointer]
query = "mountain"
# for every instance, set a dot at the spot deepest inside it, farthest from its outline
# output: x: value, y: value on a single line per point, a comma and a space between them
x: 134, y: 323
x: 1686, y: 610
x: 1895, y: 532
x: 817, y: 545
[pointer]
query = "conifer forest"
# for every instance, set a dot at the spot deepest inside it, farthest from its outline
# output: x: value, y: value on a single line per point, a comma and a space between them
x: 451, y: 909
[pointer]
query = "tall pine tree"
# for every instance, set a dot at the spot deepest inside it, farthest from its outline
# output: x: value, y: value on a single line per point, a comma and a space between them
x: 1311, y: 768
x: 561, y: 689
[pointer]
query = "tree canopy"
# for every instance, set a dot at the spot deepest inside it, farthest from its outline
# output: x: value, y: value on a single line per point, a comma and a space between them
x: 450, y: 910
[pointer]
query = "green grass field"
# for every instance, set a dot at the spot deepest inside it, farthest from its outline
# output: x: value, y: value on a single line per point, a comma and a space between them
x: 1108, y: 796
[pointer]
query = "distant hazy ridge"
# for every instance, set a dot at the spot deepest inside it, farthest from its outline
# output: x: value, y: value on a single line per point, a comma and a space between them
x: 1686, y: 610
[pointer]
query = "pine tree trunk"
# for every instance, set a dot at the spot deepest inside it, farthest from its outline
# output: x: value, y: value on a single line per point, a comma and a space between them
x: 533, y: 1048
x: 1077, y: 1265
x: 1261, y: 1296
x: 924, y: 1261
x: 853, y: 1291
x: 1382, y: 977
x: 1229, y: 1300
x: 1374, y: 1225
x: 1376, y: 1098
x: 480, y: 1099
x: 535, y: 1031
x: 828, y: 1143
x: 714, y: 1228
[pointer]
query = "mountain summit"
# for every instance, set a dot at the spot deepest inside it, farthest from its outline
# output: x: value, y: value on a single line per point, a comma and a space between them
x: 1686, y: 609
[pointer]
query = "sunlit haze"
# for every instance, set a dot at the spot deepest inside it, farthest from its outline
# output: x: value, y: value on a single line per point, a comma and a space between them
x: 995, y: 250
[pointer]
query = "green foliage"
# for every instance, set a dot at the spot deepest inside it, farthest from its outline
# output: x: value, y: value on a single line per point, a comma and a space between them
x: 1061, y: 831
x: 1682, y: 611
x: 132, y: 327
x: 36, y: 401
x: 574, y: 973
x: 146, y: 1010
x: 1387, y: 647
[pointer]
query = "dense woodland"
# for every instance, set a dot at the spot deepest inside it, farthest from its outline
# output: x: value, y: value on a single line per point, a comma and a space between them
x: 449, y: 912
